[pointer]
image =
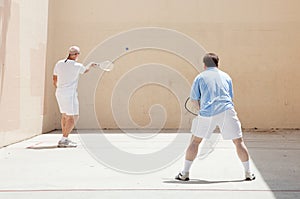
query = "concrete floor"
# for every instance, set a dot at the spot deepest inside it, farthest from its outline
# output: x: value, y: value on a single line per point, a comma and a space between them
x: 104, y: 165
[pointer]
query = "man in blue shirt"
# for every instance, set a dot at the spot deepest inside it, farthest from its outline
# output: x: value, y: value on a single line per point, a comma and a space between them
x: 212, y: 93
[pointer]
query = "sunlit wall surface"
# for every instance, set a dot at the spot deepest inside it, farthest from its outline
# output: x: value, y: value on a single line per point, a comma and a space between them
x: 258, y: 43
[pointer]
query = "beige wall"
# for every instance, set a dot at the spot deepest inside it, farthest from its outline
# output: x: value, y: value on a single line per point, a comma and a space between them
x: 22, y: 58
x: 257, y: 41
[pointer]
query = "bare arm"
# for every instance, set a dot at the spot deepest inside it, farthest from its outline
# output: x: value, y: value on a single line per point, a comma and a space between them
x: 196, y: 104
x: 88, y: 67
x: 55, y: 81
x: 87, y: 70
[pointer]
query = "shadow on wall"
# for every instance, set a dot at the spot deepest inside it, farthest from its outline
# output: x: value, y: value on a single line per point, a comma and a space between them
x: 5, y: 6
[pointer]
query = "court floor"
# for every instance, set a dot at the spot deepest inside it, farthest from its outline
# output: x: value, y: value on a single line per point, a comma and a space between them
x: 104, y: 164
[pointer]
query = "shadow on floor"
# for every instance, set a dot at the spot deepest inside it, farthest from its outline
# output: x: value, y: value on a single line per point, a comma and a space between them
x: 276, y: 156
x: 197, y: 181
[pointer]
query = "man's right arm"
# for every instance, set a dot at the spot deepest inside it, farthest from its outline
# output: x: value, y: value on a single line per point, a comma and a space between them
x: 88, y: 67
x: 195, y: 94
x: 196, y: 104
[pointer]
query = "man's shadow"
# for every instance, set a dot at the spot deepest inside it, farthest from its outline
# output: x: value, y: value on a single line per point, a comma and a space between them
x: 198, y: 181
x: 43, y: 147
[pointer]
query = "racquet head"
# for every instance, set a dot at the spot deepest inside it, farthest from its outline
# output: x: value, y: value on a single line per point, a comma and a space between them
x: 190, y: 107
x: 207, y: 146
x: 106, y: 65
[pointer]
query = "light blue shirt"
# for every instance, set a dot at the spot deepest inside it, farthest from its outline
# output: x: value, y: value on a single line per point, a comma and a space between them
x: 213, y: 88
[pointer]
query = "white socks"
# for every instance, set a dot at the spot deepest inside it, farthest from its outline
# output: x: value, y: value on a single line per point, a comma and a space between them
x: 246, y: 166
x: 63, y: 139
x: 187, y: 166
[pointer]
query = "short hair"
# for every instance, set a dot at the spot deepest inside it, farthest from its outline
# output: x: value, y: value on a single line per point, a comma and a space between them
x: 211, y: 60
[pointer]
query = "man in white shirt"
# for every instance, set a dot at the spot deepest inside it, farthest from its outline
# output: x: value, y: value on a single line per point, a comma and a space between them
x: 65, y: 79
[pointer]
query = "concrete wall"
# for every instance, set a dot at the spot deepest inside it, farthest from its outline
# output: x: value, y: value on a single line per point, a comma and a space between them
x: 23, y: 41
x: 257, y: 41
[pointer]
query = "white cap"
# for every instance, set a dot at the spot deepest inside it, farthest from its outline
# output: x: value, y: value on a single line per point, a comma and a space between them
x: 74, y: 49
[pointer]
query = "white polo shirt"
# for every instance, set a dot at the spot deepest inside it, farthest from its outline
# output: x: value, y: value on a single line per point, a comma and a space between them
x: 67, y: 73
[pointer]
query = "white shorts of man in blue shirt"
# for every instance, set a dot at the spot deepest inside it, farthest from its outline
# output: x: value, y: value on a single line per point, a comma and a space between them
x: 212, y: 93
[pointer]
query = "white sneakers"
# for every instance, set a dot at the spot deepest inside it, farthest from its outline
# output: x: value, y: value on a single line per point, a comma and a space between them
x: 67, y: 143
x: 249, y: 176
x: 182, y: 177
x: 185, y: 177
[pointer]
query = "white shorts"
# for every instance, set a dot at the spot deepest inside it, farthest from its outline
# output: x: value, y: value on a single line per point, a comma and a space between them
x: 68, y: 104
x: 227, y: 121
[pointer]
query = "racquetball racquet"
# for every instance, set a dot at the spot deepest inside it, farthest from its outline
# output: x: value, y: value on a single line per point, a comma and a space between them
x: 190, y: 107
x: 105, y: 65
x: 108, y: 65
x: 207, y: 146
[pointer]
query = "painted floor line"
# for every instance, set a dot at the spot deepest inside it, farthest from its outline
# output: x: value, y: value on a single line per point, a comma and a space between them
x: 146, y: 189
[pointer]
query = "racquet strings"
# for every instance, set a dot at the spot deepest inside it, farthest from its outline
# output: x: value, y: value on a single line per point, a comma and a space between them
x: 106, y: 65
x: 189, y: 106
x: 207, y: 146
